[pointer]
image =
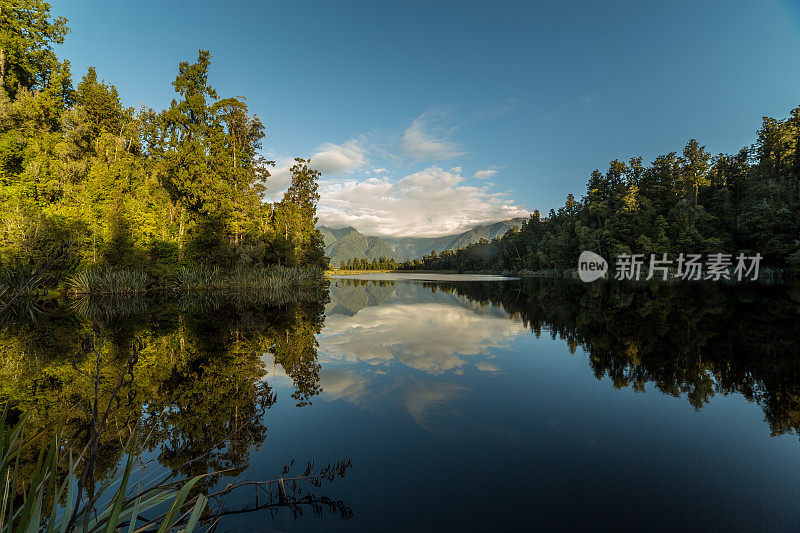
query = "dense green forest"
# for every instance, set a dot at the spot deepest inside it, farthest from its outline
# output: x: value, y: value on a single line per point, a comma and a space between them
x: 363, y: 263
x: 690, y: 202
x: 99, y: 184
x: 102, y: 185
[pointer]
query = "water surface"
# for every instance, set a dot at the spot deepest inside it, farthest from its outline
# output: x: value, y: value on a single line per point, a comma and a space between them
x: 462, y: 405
x: 422, y: 276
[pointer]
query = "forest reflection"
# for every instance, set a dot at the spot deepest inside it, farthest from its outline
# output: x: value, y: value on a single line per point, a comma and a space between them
x: 199, y: 373
x: 687, y: 340
x: 187, y: 372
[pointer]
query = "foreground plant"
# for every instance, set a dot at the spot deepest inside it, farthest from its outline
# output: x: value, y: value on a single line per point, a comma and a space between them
x: 51, y: 501
x: 21, y: 279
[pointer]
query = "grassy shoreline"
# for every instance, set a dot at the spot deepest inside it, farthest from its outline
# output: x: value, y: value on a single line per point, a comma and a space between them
x: 194, y: 278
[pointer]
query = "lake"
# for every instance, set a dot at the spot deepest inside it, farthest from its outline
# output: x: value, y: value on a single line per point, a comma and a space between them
x: 456, y: 403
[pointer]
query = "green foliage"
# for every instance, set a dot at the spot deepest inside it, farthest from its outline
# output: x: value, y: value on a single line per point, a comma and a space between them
x: 187, y: 369
x: 108, y: 281
x: 296, y: 217
x: 198, y: 277
x: 49, y: 500
x: 267, y: 279
x: 380, y: 263
x: 692, y: 203
x: 27, y: 35
x: 19, y: 278
x: 149, y: 190
x: 209, y: 244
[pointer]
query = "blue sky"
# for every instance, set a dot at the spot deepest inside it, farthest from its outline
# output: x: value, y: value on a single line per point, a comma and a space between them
x: 430, y: 117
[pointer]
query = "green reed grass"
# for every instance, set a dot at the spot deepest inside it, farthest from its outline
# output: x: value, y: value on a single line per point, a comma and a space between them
x: 271, y: 278
x: 107, y: 281
x: 49, y: 500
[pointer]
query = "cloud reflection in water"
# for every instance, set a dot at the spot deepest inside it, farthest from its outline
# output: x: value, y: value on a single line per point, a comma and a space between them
x: 410, y: 352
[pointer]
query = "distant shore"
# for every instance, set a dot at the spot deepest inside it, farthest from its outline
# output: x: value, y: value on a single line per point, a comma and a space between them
x: 767, y: 275
x: 341, y: 272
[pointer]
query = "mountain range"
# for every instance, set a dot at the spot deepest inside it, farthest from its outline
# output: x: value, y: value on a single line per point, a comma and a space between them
x: 346, y: 243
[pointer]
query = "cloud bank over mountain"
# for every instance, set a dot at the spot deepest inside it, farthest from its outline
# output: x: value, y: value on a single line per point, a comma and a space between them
x: 397, y: 185
x: 429, y: 203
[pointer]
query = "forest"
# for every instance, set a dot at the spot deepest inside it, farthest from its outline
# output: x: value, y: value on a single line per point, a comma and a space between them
x: 363, y: 263
x: 91, y: 184
x: 687, y: 202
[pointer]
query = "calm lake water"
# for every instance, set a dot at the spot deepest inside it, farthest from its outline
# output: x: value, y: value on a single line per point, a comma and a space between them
x: 461, y: 403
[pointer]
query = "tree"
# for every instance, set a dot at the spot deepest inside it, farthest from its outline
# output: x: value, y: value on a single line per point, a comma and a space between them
x: 27, y: 59
x: 190, y: 129
x: 295, y: 216
x: 102, y: 109
x: 688, y: 203
x: 695, y: 163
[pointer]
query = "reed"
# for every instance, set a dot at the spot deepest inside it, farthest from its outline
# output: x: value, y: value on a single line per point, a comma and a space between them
x: 108, y: 281
x: 18, y: 279
x: 273, y: 278
x: 100, y: 281
x: 51, y: 501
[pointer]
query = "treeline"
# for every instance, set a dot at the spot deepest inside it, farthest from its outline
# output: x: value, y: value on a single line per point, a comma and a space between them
x: 381, y: 263
x: 125, y: 188
x: 690, y: 202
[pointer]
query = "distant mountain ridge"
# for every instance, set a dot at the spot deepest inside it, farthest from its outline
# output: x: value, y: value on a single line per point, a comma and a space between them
x: 346, y: 243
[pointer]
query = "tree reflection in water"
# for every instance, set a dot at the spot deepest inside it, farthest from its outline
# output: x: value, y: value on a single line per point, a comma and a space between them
x: 188, y: 375
x: 696, y: 339
x: 190, y: 372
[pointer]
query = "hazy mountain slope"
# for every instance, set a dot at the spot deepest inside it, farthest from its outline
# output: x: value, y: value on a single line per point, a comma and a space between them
x: 346, y: 243
x: 413, y: 247
x: 331, y: 235
x: 487, y: 232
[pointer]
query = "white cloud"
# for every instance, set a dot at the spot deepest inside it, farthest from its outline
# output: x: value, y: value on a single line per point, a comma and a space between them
x: 338, y: 383
x: 429, y: 203
x: 358, y: 187
x: 279, y: 178
x: 435, y: 338
x: 485, y: 174
x: 336, y: 159
x: 407, y: 353
x: 424, y: 141
x: 485, y: 366
x: 328, y: 158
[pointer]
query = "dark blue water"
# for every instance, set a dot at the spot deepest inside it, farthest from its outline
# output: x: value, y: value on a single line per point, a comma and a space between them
x: 457, y: 416
x: 455, y: 404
